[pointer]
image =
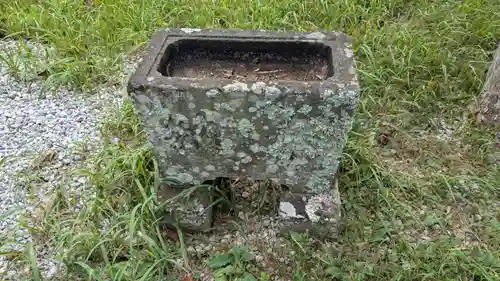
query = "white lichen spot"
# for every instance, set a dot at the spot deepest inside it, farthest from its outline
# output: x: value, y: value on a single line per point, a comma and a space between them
x: 191, y: 105
x: 287, y: 210
x: 348, y: 53
x: 255, y: 147
x: 241, y: 154
x: 272, y: 91
x: 327, y: 93
x: 351, y: 94
x: 265, y: 127
x: 236, y: 168
x: 236, y: 87
x: 255, y: 136
x: 305, y: 109
x: 245, y: 127
x: 150, y: 78
x: 205, y: 174
x: 261, y: 87
x: 212, y: 93
x: 190, y: 30
x: 246, y: 160
x: 316, y: 36
x: 252, y: 109
x: 196, y: 170
x: 301, y: 98
x: 258, y: 87
x: 290, y: 173
x: 210, y: 168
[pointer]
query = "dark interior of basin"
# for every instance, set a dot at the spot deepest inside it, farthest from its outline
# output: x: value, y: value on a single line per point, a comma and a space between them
x: 247, y: 60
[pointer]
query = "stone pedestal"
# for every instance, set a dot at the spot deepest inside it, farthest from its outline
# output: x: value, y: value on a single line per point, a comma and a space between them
x: 267, y: 105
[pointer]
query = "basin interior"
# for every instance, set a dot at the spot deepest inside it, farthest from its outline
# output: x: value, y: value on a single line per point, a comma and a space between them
x: 247, y: 60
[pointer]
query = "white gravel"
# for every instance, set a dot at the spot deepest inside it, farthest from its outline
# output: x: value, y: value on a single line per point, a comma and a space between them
x: 35, y: 125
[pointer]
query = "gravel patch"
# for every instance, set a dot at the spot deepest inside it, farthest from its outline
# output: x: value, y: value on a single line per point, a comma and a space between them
x: 39, y: 146
x: 260, y: 234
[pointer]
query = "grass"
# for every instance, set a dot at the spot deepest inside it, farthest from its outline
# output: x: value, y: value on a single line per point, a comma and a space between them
x: 418, y: 204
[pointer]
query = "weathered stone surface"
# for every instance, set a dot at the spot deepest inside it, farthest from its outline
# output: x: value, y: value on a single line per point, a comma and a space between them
x: 189, y: 209
x: 291, y: 131
x: 489, y: 101
x: 318, y: 214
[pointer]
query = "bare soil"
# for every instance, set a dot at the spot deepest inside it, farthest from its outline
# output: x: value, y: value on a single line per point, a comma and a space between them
x: 252, y: 66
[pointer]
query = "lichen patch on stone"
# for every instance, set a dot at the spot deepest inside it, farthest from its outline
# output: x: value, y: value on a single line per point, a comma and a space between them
x: 348, y: 53
x: 272, y: 91
x: 212, y: 93
x: 258, y: 87
x: 236, y: 87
